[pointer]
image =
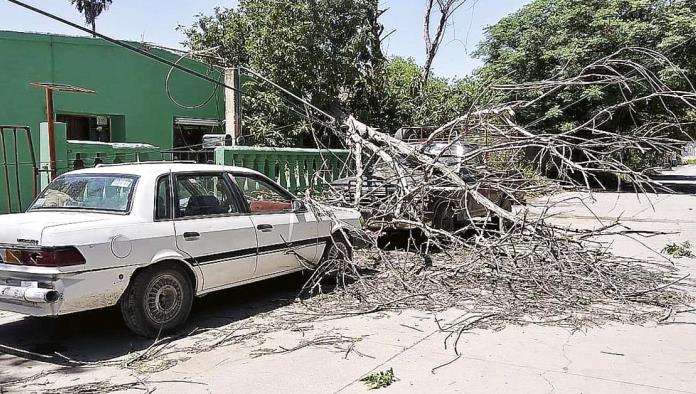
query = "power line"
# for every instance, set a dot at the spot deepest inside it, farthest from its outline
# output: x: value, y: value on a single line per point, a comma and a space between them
x: 256, y: 74
x: 288, y: 104
x: 171, y: 96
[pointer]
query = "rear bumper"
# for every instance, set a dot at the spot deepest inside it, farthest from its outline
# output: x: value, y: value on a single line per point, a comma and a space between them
x: 42, y: 291
x: 31, y: 291
x: 29, y: 294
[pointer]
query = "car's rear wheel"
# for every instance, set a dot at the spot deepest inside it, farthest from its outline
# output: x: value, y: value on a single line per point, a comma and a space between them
x: 158, y: 300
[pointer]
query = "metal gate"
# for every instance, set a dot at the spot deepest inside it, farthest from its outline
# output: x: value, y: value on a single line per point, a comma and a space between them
x: 18, y: 169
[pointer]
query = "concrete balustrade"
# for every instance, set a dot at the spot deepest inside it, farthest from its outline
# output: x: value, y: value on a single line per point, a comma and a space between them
x: 296, y: 169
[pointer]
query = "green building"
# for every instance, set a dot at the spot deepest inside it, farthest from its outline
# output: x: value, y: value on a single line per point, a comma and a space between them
x: 131, y: 103
x: 134, y: 101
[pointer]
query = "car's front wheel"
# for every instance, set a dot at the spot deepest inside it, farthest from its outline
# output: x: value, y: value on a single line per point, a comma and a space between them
x: 335, y: 264
x: 158, y: 300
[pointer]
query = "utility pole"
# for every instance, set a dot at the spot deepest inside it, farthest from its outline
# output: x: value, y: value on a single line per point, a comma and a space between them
x: 233, y: 104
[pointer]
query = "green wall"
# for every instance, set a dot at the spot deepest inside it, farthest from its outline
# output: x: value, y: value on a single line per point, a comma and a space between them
x: 129, y: 87
x: 127, y: 84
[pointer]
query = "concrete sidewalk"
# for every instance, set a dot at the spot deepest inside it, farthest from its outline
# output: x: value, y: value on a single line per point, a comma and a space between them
x: 611, y: 358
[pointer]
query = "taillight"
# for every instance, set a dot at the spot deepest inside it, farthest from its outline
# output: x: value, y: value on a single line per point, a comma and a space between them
x: 45, y: 257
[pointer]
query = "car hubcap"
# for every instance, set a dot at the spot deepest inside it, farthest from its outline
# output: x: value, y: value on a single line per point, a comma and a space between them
x: 164, y: 299
x: 338, y: 251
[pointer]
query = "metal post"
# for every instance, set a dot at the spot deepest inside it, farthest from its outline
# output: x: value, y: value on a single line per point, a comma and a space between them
x: 51, y: 133
x: 49, y: 88
x: 7, y: 173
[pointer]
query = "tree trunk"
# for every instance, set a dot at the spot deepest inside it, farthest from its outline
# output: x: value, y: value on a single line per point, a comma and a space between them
x: 94, y: 28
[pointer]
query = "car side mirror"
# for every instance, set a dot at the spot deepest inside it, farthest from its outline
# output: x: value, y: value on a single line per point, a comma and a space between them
x: 299, y: 206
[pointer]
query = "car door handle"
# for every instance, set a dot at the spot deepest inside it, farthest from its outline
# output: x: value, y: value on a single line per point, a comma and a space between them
x: 266, y: 228
x: 191, y: 236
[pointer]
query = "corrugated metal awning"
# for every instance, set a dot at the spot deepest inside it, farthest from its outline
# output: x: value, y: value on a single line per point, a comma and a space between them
x: 197, y: 122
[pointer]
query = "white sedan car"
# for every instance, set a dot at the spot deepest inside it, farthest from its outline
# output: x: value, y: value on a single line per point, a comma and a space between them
x: 151, y: 236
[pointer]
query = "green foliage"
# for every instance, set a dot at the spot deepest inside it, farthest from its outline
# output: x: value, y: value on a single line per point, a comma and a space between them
x: 330, y: 53
x: 327, y: 51
x: 379, y: 380
x: 408, y: 103
x: 678, y: 250
x: 558, y: 38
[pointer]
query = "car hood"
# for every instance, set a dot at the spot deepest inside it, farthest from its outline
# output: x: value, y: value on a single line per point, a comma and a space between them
x: 27, y: 228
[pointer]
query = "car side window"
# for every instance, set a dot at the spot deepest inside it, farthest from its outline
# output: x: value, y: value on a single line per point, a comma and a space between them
x: 163, y: 203
x: 202, y: 195
x: 263, y: 197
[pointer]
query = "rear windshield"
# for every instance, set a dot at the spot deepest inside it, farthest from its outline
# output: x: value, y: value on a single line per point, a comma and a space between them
x: 88, y: 192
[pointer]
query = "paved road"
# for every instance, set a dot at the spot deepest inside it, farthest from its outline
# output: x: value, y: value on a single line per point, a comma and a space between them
x: 251, y: 321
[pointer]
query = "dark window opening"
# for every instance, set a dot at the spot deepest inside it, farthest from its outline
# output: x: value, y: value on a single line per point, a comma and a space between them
x: 189, y: 141
x: 86, y: 127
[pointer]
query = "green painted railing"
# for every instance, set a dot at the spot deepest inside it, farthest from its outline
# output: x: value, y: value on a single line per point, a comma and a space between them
x: 89, y: 154
x: 295, y: 169
x: 73, y: 155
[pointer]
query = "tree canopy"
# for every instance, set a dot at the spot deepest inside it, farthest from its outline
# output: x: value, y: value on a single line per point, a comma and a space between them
x: 559, y: 38
x: 327, y: 51
x: 330, y: 53
x: 91, y: 9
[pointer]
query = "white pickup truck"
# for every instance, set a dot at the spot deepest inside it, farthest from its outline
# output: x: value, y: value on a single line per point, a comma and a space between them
x: 151, y: 236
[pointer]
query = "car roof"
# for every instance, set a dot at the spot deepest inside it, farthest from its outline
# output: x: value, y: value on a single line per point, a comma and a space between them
x: 158, y: 168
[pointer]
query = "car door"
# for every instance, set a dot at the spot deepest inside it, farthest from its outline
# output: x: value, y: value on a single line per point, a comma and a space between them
x: 213, y: 229
x: 287, y: 239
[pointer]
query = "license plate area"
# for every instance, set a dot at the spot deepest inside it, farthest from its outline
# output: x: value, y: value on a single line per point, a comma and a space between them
x: 32, y: 284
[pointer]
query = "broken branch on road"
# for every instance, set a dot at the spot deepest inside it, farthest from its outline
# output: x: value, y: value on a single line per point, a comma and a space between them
x: 450, y: 196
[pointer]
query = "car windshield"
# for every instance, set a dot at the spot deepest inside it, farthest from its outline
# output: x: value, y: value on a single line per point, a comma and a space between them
x: 88, y: 192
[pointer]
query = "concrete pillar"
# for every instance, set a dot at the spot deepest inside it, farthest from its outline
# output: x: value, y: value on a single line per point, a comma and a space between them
x: 233, y: 104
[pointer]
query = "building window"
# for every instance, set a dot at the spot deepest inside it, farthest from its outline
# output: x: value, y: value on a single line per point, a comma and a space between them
x: 189, y: 141
x: 86, y: 127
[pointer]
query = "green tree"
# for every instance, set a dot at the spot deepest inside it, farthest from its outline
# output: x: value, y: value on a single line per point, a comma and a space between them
x: 325, y: 50
x: 410, y: 103
x: 557, y: 38
x: 91, y: 9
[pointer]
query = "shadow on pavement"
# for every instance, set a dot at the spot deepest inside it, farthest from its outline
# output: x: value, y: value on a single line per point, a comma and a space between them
x: 679, y: 184
x: 101, y: 335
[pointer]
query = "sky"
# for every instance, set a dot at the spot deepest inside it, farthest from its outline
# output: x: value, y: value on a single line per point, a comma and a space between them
x: 156, y: 21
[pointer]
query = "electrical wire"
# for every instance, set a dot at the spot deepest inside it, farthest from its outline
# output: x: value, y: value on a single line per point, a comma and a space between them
x: 169, y: 93
x: 258, y: 75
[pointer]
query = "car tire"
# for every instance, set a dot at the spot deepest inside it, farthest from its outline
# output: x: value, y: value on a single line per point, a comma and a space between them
x: 337, y: 248
x: 506, y: 204
x: 444, y: 217
x: 157, y: 301
x: 502, y: 223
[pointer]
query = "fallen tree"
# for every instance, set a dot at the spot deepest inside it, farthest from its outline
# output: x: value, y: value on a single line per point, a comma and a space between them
x: 526, y: 268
